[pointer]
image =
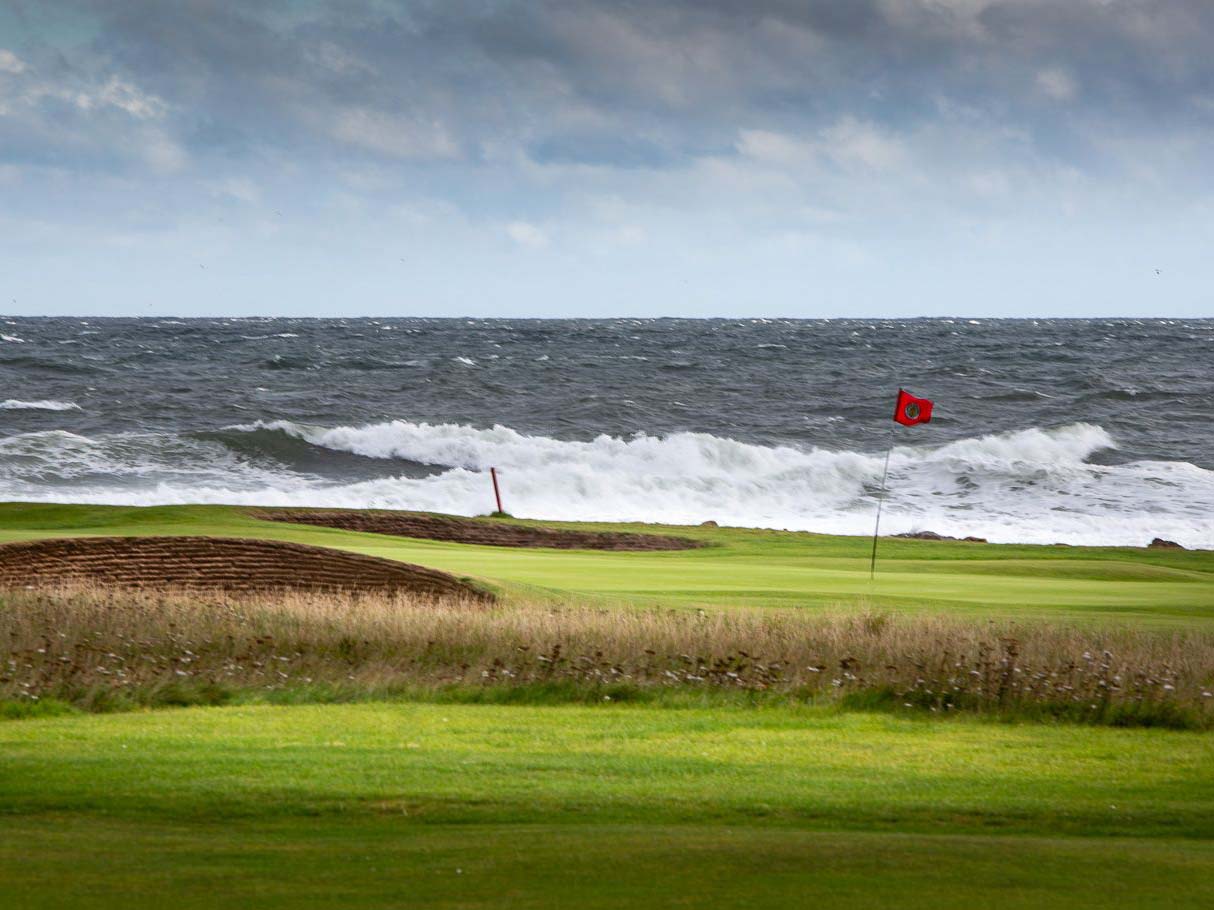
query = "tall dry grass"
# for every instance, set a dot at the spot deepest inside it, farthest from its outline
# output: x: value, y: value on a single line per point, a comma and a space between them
x: 101, y: 649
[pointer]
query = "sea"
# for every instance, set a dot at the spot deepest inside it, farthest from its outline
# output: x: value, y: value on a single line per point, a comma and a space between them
x: 1044, y: 430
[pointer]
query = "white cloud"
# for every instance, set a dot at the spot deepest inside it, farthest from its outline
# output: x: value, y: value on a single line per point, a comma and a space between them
x: 629, y: 235
x: 773, y: 148
x: 524, y: 233
x: 242, y: 189
x: 989, y: 184
x: 113, y: 93
x: 334, y: 57
x: 853, y: 142
x: 125, y: 97
x: 161, y: 153
x: 11, y: 63
x: 1057, y: 84
x: 848, y: 143
x: 395, y: 136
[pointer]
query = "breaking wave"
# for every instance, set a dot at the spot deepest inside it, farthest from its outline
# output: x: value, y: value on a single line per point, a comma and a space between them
x: 1034, y: 485
x: 13, y: 404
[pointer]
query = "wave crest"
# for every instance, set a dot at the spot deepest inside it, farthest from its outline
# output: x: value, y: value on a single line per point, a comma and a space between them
x: 1034, y: 485
x: 1033, y: 448
x: 14, y: 404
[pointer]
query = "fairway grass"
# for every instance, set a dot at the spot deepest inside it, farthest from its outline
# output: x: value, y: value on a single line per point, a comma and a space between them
x: 740, y: 567
x: 385, y: 805
x: 53, y: 862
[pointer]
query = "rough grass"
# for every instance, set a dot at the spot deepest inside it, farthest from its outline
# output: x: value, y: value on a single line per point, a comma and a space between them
x: 106, y: 650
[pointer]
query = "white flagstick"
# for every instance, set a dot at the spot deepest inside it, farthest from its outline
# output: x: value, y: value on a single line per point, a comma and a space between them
x: 872, y: 566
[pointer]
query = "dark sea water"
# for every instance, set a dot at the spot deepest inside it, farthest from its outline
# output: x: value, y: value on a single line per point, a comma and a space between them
x: 1080, y: 431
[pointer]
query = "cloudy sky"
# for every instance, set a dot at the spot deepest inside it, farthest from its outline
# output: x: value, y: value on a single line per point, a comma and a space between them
x: 576, y: 158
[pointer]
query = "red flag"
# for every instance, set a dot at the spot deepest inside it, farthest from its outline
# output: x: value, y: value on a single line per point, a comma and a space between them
x: 912, y: 410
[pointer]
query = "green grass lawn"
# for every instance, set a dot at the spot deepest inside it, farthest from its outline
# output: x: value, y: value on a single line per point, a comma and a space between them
x: 741, y: 568
x: 470, y: 806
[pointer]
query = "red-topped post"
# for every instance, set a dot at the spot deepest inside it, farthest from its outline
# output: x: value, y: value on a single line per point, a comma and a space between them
x: 497, y: 493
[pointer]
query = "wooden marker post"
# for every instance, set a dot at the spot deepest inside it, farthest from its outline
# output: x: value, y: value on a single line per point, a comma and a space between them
x: 497, y: 493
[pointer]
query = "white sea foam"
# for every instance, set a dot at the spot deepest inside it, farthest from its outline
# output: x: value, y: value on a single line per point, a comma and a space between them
x: 1034, y: 485
x: 13, y: 404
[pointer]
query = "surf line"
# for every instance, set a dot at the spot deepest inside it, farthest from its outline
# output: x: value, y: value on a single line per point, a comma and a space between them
x: 908, y: 411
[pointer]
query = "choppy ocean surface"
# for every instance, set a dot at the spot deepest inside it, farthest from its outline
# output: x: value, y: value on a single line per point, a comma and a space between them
x: 1076, y: 431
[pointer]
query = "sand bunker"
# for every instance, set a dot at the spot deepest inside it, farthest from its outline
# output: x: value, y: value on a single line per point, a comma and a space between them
x: 479, y: 531
x: 216, y: 564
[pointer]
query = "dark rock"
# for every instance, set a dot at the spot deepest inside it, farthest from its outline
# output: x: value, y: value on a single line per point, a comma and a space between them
x: 932, y: 535
x: 709, y: 524
x: 1160, y: 544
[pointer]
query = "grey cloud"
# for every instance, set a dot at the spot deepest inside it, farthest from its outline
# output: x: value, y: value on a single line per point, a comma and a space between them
x: 643, y: 83
x: 507, y: 109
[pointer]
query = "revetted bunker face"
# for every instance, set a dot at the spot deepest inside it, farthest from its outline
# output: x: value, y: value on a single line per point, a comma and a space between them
x: 211, y: 564
x: 477, y: 531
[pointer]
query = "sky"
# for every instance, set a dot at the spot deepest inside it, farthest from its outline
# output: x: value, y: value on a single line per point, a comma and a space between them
x: 649, y: 158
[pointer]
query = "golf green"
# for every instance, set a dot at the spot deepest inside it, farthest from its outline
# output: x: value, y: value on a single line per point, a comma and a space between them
x: 740, y: 567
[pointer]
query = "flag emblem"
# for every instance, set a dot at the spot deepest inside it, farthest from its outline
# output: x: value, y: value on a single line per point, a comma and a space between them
x: 911, y: 410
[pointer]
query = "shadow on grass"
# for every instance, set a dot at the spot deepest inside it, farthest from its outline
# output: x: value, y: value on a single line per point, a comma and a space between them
x: 886, y: 700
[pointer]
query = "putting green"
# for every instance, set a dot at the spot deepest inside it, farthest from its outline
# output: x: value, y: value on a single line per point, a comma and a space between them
x: 740, y: 568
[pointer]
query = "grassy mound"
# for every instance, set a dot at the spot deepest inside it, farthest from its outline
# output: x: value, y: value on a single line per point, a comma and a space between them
x: 234, y: 565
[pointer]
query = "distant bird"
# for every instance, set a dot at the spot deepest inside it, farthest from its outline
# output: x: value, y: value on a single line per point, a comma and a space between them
x: 1157, y: 272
